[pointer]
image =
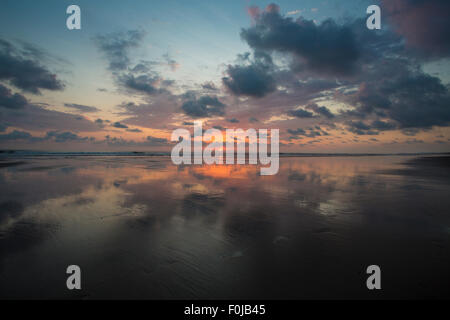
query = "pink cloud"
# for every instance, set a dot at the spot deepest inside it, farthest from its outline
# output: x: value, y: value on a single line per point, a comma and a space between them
x: 253, y: 12
x: 424, y: 24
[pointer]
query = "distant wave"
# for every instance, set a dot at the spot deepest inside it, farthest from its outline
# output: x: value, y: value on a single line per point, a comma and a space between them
x: 24, y: 153
x: 14, y: 153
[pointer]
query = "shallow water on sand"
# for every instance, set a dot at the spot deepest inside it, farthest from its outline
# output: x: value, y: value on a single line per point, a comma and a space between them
x: 140, y: 227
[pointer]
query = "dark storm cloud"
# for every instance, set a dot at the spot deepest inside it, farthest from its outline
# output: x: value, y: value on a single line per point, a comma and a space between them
x: 252, y: 78
x: 64, y: 136
x: 371, y: 128
x: 143, y: 83
x: 120, y: 125
x: 16, y: 135
x: 67, y: 136
x: 17, y: 111
x: 384, y: 125
x: 297, y: 132
x: 3, y: 127
x: 374, y: 72
x: 418, y: 101
x: 54, y: 136
x: 318, y: 112
x: 425, y: 24
x: 403, y: 94
x: 322, y: 111
x: 205, y: 106
x: 361, y: 128
x: 11, y: 101
x: 24, y: 70
x: 134, y: 130
x: 311, y: 133
x: 233, y: 120
x: 300, y: 113
x: 80, y: 107
x: 35, y: 117
x: 327, y: 47
x: 116, y: 46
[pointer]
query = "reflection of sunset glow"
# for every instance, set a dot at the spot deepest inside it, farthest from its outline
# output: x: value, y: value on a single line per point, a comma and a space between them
x: 227, y: 171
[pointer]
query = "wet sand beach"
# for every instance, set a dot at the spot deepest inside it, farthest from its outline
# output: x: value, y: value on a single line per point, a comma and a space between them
x: 140, y: 227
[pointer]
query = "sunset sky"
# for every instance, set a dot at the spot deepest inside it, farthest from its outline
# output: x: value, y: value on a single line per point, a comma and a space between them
x: 139, y: 69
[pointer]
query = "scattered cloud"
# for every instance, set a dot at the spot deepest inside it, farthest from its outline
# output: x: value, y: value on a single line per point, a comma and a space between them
x: 316, y: 77
x: 142, y: 83
x: 252, y: 78
x: 301, y: 113
x: 54, y: 136
x: 120, y: 125
x: 205, y: 106
x: 24, y: 69
x: 134, y: 130
x: 149, y: 141
x: 311, y: 133
x: 156, y: 141
x: 321, y: 111
x: 82, y: 108
x: 64, y: 136
x: 11, y: 101
x: 38, y: 118
x: 116, y: 47
x: 138, y: 78
x: 328, y: 47
x: 15, y: 135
